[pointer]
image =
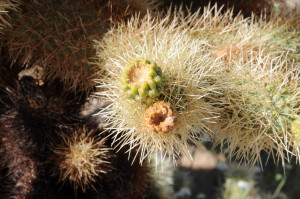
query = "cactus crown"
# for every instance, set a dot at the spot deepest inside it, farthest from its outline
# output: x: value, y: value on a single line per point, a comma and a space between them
x: 142, y: 79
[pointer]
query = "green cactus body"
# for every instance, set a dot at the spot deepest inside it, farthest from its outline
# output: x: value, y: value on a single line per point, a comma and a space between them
x: 142, y: 79
x: 270, y: 103
x: 295, y: 128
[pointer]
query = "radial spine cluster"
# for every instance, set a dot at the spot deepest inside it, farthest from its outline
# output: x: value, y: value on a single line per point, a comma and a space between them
x: 82, y: 159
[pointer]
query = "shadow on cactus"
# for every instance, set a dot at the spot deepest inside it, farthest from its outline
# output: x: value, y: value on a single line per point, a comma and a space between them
x: 7, y: 6
x: 58, y: 36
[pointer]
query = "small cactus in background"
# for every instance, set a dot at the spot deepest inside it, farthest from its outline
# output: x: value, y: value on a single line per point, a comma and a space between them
x: 81, y: 158
x: 239, y: 183
x: 142, y: 79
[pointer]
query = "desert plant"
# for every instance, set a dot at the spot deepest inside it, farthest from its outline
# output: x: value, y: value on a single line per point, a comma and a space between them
x: 165, y: 122
x: 262, y: 108
x: 232, y: 37
x: 81, y: 158
x: 58, y: 36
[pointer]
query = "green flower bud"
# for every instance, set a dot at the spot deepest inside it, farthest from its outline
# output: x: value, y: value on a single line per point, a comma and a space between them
x: 143, y: 79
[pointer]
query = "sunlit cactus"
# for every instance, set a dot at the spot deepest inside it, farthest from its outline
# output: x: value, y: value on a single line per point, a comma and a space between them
x: 236, y: 38
x: 262, y: 103
x: 255, y: 54
x: 165, y: 123
x: 161, y: 81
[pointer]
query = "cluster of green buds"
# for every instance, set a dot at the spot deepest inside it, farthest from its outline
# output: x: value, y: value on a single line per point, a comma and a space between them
x: 142, y: 79
x: 274, y: 104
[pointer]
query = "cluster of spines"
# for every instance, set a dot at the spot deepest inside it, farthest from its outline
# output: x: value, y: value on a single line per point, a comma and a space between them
x: 274, y: 102
x: 245, y: 39
x: 141, y: 92
x: 82, y: 158
x: 58, y: 36
x: 259, y: 107
x: 184, y: 78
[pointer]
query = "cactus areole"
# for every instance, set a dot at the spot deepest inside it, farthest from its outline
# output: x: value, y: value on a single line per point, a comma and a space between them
x: 160, y: 117
x: 142, y: 79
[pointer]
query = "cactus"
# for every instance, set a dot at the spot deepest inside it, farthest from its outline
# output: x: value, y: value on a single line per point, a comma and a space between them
x: 7, y: 6
x: 28, y: 119
x: 58, y: 36
x: 239, y: 39
x: 247, y: 41
x: 39, y: 142
x: 248, y: 51
x: 19, y: 165
x: 273, y: 101
x: 142, y: 79
x: 186, y: 80
x: 295, y: 128
x: 81, y: 158
x: 261, y: 107
x: 240, y: 183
